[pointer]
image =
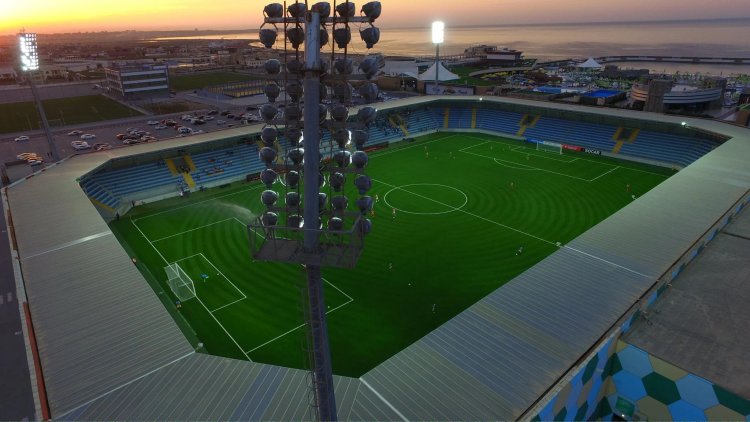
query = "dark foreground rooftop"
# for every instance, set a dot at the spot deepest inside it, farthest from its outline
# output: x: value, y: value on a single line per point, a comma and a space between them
x: 698, y: 324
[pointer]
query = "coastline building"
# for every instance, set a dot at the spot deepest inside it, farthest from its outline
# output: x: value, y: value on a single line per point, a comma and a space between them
x: 660, y: 95
x: 491, y: 55
x: 137, y: 80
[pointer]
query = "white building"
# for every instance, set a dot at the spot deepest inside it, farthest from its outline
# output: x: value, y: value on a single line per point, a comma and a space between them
x: 138, y: 80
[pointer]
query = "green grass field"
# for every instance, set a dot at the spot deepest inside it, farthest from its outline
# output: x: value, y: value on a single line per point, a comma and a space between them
x: 17, y: 117
x: 201, y: 80
x: 459, y: 223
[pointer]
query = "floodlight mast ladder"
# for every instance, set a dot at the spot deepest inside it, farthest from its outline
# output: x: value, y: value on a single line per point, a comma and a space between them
x: 335, y: 250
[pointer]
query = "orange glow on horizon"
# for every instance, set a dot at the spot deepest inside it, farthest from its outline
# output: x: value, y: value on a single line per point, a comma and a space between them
x: 51, y: 16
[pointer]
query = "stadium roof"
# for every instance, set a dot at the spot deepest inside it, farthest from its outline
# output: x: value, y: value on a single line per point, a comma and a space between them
x: 110, y: 350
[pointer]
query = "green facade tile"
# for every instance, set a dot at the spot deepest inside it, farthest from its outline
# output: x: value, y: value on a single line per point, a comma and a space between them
x: 661, y: 388
x: 732, y: 401
x: 590, y: 368
x: 612, y: 367
x: 581, y: 414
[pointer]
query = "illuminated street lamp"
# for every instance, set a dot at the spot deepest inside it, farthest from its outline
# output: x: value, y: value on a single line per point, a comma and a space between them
x: 29, y: 57
x: 438, y: 36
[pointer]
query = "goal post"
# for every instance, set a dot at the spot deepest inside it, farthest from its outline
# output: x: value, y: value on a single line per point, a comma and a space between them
x: 179, y: 282
x: 548, y: 146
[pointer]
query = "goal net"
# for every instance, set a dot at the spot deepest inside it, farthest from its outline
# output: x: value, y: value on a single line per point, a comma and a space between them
x: 181, y: 285
x: 548, y: 146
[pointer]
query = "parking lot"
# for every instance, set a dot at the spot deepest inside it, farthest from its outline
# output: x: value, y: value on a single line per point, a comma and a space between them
x: 106, y: 133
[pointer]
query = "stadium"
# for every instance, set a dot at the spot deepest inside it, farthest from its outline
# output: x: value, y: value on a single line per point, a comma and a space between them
x: 595, y: 322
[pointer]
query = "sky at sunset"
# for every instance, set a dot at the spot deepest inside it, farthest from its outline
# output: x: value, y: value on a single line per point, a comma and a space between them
x: 48, y: 16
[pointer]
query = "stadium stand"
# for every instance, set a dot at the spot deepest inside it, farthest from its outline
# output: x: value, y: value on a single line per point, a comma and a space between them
x: 533, y: 366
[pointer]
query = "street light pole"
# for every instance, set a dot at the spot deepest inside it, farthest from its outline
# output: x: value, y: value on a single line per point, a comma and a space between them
x: 30, y: 62
x: 438, y: 29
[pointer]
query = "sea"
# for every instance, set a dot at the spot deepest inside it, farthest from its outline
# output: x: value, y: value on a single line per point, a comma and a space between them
x: 695, y: 38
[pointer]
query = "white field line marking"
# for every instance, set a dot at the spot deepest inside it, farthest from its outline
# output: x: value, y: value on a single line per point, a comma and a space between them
x: 471, y: 214
x: 529, y: 167
x: 208, y: 260
x: 222, y: 274
x: 545, y: 155
x: 198, y: 203
x: 302, y: 325
x: 589, y: 160
x: 230, y: 303
x: 413, y: 146
x: 351, y: 299
x: 472, y: 146
x: 604, y: 174
x: 196, y: 297
x: 188, y: 231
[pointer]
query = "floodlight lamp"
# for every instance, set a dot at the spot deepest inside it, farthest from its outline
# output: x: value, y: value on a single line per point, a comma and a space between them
x: 29, y: 54
x: 296, y: 155
x: 372, y: 10
x: 438, y: 32
x: 267, y: 37
x: 322, y: 8
x: 297, y: 10
x: 684, y: 123
x: 274, y: 10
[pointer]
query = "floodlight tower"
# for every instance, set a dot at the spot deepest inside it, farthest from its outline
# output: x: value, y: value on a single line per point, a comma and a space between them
x: 438, y: 36
x: 312, y: 213
x: 29, y: 56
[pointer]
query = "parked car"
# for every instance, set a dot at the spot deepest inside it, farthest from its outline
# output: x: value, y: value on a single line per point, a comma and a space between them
x: 152, y: 122
x: 185, y: 130
x: 87, y: 136
x: 120, y: 136
x: 130, y: 129
x: 101, y: 147
x: 212, y: 112
x: 75, y: 132
x: 208, y: 118
x: 27, y: 155
x: 34, y: 161
x: 79, y: 145
x: 160, y: 127
x: 22, y: 138
x: 220, y: 122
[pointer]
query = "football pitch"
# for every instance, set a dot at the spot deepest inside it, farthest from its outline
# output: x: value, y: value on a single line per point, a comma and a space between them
x: 472, y: 211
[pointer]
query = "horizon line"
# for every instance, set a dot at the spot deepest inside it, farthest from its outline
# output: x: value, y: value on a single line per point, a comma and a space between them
x: 478, y: 25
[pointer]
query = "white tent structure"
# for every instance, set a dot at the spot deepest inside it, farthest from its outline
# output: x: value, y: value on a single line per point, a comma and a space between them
x: 443, y: 74
x: 590, y: 64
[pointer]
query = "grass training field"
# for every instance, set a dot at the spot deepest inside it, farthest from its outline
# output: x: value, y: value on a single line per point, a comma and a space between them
x: 17, y: 117
x: 201, y: 80
x: 461, y: 216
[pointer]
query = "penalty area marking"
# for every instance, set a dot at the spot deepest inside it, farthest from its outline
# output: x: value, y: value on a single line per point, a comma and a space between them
x: 351, y: 299
x: 196, y: 297
x: 450, y: 207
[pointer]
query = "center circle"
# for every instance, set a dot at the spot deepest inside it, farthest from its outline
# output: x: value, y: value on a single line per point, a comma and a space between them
x: 427, y: 199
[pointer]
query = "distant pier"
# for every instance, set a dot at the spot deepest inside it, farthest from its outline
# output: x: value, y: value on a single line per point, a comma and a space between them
x: 658, y: 59
x: 675, y: 59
